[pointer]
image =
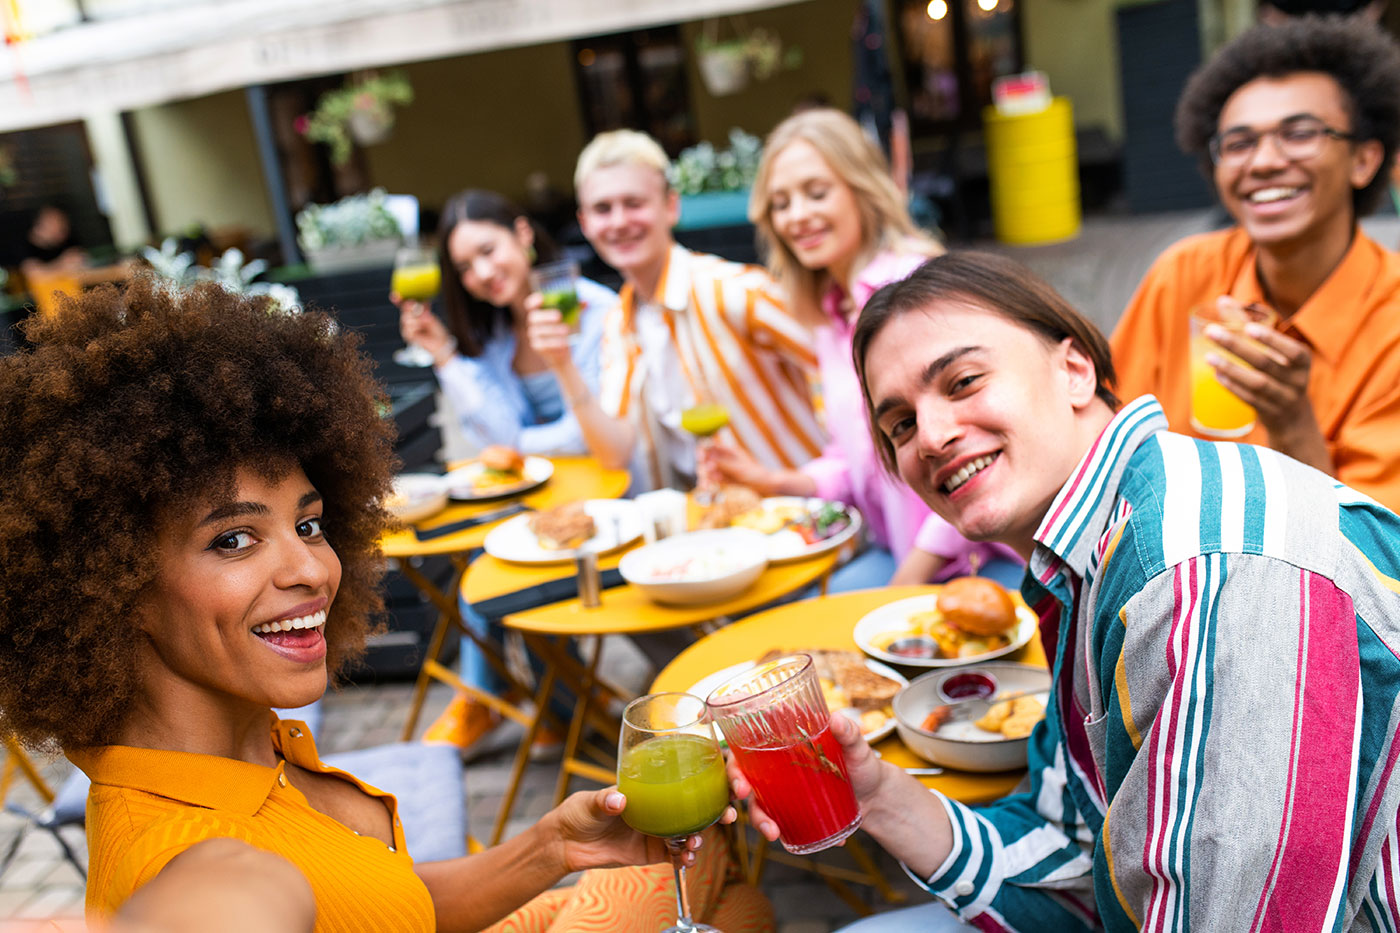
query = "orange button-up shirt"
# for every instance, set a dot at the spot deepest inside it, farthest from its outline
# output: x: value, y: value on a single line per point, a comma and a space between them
x: 148, y: 806
x: 1352, y: 324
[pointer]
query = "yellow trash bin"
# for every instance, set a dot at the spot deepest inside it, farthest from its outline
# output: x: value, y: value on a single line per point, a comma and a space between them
x: 1034, y: 171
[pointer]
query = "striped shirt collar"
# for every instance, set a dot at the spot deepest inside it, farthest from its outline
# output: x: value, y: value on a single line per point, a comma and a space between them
x: 676, y: 268
x: 1080, y: 512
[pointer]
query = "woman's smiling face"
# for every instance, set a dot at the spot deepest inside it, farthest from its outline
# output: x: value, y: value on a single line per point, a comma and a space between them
x: 813, y: 209
x: 492, y: 261
x: 238, y: 609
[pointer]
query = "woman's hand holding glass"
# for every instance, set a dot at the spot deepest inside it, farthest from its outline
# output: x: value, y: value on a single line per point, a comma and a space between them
x: 421, y: 327
x: 718, y: 462
x: 593, y: 834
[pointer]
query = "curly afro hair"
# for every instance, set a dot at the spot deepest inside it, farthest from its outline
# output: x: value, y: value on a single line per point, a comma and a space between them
x: 1356, y: 53
x: 138, y: 402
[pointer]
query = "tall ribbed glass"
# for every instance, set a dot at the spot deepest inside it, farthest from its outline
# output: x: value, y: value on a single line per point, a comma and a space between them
x: 779, y: 729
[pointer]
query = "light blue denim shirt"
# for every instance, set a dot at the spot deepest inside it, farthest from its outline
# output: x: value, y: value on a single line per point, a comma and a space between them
x: 494, y: 405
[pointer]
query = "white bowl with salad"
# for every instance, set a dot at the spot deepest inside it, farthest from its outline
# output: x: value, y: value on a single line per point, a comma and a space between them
x: 697, y: 567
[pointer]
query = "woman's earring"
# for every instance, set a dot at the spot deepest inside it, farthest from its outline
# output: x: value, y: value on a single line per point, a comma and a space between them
x: 531, y: 254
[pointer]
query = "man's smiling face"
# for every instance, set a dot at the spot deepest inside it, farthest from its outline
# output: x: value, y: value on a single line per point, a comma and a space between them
x: 1280, y: 200
x: 982, y: 415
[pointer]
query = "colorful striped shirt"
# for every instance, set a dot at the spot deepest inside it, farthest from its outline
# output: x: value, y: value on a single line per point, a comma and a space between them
x: 1219, y: 749
x: 735, y: 344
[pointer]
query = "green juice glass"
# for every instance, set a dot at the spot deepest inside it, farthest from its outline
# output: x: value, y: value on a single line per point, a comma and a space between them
x: 671, y: 770
x: 557, y: 283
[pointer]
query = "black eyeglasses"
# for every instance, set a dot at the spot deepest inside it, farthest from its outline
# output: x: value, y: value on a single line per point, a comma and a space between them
x: 1297, y: 139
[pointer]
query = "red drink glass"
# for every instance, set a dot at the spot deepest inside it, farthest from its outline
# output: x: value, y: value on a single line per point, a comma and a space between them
x: 779, y: 729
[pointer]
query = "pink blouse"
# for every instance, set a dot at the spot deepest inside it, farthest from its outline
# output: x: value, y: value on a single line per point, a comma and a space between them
x: 849, y: 469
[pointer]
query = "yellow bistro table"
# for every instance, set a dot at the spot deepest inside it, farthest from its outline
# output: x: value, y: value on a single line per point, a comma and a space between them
x: 574, y: 478
x: 624, y: 610
x: 827, y: 622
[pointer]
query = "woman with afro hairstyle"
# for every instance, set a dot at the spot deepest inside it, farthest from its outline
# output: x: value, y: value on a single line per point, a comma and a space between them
x: 1296, y: 124
x: 190, y: 504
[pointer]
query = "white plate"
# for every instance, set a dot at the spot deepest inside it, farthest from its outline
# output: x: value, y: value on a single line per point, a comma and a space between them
x: 513, y: 540
x: 787, y: 545
x: 894, y: 617
x: 416, y: 496
x: 459, y: 482
x: 703, y: 687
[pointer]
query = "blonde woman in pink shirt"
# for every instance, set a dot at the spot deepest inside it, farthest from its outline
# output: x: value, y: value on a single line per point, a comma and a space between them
x: 835, y: 229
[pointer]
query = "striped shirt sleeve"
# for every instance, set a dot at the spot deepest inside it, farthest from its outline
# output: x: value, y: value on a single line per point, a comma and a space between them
x: 769, y: 323
x: 1023, y: 863
x: 1229, y: 728
x: 1238, y: 760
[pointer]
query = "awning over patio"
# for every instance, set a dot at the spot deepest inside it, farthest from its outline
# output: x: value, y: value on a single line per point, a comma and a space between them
x: 203, y: 47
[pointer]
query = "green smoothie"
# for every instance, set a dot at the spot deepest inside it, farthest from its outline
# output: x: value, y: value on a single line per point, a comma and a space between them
x: 675, y: 785
x: 565, y: 301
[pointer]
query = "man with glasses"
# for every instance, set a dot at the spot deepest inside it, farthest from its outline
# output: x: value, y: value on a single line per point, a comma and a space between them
x: 1296, y: 124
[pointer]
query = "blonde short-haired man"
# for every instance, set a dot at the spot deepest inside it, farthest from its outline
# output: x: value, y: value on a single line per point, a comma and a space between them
x: 690, y: 328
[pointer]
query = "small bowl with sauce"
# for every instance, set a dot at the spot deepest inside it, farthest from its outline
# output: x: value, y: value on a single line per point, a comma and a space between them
x: 967, y: 685
x: 960, y: 744
x: 915, y: 647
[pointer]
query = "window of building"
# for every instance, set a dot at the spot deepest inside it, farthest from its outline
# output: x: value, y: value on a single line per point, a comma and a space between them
x: 952, y: 50
x: 636, y: 80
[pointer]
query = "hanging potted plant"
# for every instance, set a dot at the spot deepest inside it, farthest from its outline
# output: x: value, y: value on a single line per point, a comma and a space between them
x: 726, y: 65
x: 714, y: 183
x: 361, y: 112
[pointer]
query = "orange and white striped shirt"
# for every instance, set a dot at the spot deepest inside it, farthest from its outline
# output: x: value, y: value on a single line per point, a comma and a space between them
x: 732, y: 342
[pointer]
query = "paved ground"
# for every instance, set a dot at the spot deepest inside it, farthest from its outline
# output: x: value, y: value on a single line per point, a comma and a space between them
x: 1097, y: 272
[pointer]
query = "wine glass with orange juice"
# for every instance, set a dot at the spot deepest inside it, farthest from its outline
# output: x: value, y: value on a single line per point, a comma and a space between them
x: 417, y: 277
x: 704, y: 420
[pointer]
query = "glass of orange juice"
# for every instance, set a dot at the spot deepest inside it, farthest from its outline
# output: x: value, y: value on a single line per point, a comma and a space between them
x: 1215, y: 410
x: 704, y: 420
x: 417, y: 277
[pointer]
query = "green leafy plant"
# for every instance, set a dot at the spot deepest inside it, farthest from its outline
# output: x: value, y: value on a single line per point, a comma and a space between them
x: 9, y: 174
x: 373, y: 96
x: 230, y: 270
x: 360, y: 218
x: 704, y: 168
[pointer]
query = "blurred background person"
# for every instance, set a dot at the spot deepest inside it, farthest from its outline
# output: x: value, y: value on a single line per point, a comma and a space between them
x: 1296, y: 124
x: 834, y: 228
x: 690, y: 328
x: 501, y: 390
x: 49, y: 247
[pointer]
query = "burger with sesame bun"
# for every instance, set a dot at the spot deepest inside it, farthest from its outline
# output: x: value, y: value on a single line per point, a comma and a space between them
x: 977, y: 606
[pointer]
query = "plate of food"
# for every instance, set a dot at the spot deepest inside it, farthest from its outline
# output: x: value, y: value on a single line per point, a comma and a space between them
x: 973, y: 726
x: 797, y: 527
x: 852, y: 685
x: 416, y: 496
x: 556, y: 535
x: 497, y: 471
x: 969, y: 619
